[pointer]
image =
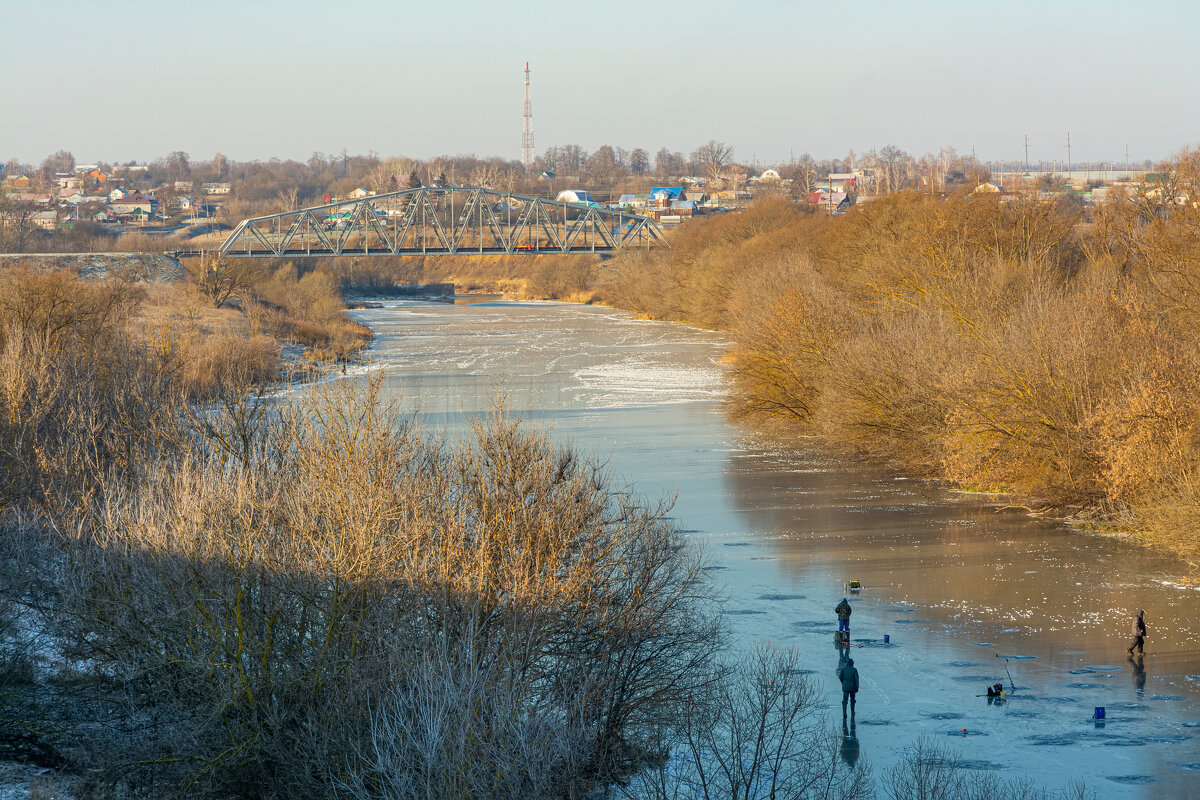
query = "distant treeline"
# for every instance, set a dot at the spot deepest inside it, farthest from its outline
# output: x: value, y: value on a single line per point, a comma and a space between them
x: 1003, y: 343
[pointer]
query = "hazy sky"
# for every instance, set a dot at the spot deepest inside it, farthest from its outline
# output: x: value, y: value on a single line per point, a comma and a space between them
x: 118, y: 80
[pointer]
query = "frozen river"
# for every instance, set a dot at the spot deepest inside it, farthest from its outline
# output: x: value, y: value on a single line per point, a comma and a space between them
x: 961, y: 587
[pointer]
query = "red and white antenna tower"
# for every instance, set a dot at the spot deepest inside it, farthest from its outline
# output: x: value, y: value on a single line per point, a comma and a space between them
x: 527, y: 128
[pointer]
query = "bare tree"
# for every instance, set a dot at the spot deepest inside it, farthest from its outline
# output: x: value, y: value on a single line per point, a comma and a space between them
x: 712, y: 157
x: 218, y: 278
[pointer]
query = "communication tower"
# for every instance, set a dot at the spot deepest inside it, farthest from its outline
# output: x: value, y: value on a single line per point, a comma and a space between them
x: 527, y: 129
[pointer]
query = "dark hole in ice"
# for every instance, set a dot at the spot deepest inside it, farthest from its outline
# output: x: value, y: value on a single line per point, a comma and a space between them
x: 1017, y: 658
x: 964, y: 664
x: 903, y: 610
x: 942, y: 714
x: 968, y: 732
x: 1124, y: 742
x: 1086, y: 686
x: 716, y: 567
x: 1053, y: 739
x: 875, y: 722
x: 781, y: 597
x: 737, y: 544
x: 1104, y: 668
x: 1133, y: 780
x: 1079, y: 671
x: 814, y: 624
x: 976, y: 763
x: 984, y: 644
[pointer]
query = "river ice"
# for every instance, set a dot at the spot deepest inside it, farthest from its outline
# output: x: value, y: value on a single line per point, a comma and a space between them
x: 968, y: 595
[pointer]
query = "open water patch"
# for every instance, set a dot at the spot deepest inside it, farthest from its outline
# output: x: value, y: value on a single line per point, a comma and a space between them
x: 737, y: 544
x: 876, y: 722
x: 903, y: 610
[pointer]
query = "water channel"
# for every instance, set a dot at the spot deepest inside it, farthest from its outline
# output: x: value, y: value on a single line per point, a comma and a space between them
x: 966, y: 591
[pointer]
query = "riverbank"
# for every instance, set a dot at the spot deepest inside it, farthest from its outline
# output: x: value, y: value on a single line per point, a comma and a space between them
x: 1006, y: 346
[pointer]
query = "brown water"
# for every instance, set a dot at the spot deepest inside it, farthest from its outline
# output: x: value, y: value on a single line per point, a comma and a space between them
x: 962, y: 588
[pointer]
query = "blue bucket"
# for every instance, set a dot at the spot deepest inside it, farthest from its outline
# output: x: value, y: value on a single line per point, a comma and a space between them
x: 1099, y: 713
x: 887, y: 638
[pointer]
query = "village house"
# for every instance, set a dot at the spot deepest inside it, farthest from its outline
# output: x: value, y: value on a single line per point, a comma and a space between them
x: 843, y: 182
x: 216, y: 188
x: 130, y: 206
x: 18, y: 181
x: 46, y: 220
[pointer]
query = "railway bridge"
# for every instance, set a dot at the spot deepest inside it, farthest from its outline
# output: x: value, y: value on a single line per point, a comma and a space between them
x: 442, y: 221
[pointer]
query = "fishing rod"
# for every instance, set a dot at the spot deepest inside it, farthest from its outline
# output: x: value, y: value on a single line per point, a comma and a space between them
x: 1009, y: 674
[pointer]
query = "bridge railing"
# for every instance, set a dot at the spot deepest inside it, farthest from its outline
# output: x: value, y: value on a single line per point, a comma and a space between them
x: 442, y: 221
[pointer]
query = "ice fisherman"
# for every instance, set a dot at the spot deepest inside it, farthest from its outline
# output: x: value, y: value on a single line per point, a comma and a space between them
x: 848, y: 675
x: 1139, y: 633
x: 844, y: 611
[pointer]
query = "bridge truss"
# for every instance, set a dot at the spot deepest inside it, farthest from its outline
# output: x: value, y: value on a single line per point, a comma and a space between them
x: 442, y: 221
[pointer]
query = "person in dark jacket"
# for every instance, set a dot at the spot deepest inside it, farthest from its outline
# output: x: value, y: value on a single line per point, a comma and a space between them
x: 1139, y: 633
x: 848, y: 675
x: 843, y: 611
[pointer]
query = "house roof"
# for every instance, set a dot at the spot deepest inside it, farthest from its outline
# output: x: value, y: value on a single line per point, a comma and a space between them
x: 667, y: 192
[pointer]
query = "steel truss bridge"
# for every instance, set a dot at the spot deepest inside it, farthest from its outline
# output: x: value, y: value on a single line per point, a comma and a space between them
x: 442, y: 221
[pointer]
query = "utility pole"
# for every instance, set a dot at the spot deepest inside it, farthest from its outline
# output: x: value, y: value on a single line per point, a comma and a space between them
x: 1027, y: 154
x: 1068, y: 156
x: 1126, y: 161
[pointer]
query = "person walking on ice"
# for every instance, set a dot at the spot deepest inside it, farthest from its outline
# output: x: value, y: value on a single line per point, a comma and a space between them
x: 848, y: 675
x: 843, y: 611
x: 1139, y: 633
